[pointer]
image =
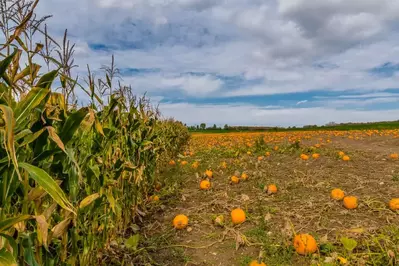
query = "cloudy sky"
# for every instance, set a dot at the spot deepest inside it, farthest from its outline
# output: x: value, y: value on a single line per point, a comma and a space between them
x: 245, y: 62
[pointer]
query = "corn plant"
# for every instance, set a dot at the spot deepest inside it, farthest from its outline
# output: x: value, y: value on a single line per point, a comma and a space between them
x: 71, y: 177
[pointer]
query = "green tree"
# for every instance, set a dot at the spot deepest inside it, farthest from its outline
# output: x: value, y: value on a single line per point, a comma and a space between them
x: 203, y: 126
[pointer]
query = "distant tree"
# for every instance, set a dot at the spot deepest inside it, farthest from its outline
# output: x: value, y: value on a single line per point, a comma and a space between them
x: 226, y: 127
x: 198, y: 127
x: 214, y: 126
x: 203, y: 126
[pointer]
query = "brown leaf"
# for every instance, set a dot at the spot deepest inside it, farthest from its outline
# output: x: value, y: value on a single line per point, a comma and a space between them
x: 60, y: 228
x: 42, y: 230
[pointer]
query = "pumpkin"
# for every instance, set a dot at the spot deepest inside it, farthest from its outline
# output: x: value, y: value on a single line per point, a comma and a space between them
x: 267, y: 153
x: 394, y: 156
x: 271, y: 189
x: 158, y: 186
x: 209, y: 173
x: 341, y: 153
x: 337, y: 194
x: 205, y: 185
x: 304, y: 157
x: 346, y: 158
x: 238, y: 216
x: 219, y: 220
x: 154, y: 198
x: 257, y: 263
x: 305, y: 244
x: 350, y: 202
x: 275, y: 148
x: 180, y: 221
x: 260, y: 158
x: 315, y: 155
x: 183, y: 162
x: 172, y: 162
x: 249, y: 153
x: 394, y: 204
x: 195, y: 165
x: 244, y: 176
x: 235, y: 180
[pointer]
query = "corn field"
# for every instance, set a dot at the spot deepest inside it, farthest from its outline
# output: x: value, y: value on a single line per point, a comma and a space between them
x: 72, y: 177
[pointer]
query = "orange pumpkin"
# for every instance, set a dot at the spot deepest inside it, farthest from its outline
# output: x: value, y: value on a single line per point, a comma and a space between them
x: 260, y: 158
x: 235, y: 180
x: 341, y: 153
x: 275, y: 148
x: 394, y: 204
x: 257, y: 263
x: 271, y: 189
x: 394, y: 156
x: 304, y: 157
x: 172, y: 162
x: 350, y: 202
x: 238, y: 216
x: 209, y: 173
x: 154, y: 198
x: 205, y: 185
x: 305, y: 244
x: 180, y: 221
x: 184, y: 162
x: 267, y: 153
x: 244, y: 176
x: 346, y: 158
x: 337, y: 194
x: 195, y: 165
x: 315, y: 155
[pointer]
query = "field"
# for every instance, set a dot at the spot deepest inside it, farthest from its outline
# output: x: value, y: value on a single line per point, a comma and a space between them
x: 367, y: 235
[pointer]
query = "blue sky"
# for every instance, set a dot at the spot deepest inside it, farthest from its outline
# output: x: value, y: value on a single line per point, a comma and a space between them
x: 253, y: 62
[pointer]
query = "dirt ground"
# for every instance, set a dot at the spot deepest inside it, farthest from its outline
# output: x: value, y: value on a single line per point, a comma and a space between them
x: 302, y: 205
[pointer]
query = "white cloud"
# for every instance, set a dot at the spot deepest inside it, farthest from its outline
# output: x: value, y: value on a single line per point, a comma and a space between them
x: 288, y: 46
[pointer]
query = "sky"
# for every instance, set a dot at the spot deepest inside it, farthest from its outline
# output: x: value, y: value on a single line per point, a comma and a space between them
x: 236, y: 62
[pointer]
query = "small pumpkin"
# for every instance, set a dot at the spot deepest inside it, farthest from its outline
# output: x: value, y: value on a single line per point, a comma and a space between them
x: 305, y: 244
x: 394, y: 156
x: 195, y: 165
x: 180, y: 221
x: 238, y: 216
x: 304, y: 157
x: 154, y: 198
x: 275, y: 148
x: 394, y: 204
x: 235, y: 179
x: 350, y: 202
x: 346, y: 158
x: 267, y: 153
x: 337, y: 194
x: 209, y: 173
x: 244, y: 176
x: 205, y: 185
x: 315, y: 155
x: 172, y: 162
x: 260, y: 158
x: 219, y: 220
x: 257, y: 263
x: 341, y: 153
x: 271, y: 189
x: 184, y: 162
x: 249, y: 153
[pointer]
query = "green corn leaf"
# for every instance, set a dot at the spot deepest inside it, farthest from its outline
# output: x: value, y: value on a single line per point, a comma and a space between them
x: 32, y: 137
x: 25, y: 107
x: 6, y: 62
x: 6, y: 258
x: 47, y: 79
x: 9, y: 222
x: 49, y: 185
x: 72, y: 124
